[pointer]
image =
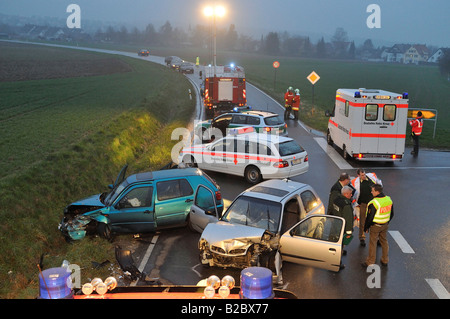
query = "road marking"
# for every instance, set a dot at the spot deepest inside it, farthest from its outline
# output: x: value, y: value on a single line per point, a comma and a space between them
x: 333, y: 154
x: 438, y: 288
x: 146, y: 257
x: 401, y: 242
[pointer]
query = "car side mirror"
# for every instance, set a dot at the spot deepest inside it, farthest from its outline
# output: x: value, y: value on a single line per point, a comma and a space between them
x: 110, y: 186
x: 327, y: 113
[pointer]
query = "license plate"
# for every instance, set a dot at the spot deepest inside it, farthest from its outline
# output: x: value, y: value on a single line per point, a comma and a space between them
x: 296, y: 161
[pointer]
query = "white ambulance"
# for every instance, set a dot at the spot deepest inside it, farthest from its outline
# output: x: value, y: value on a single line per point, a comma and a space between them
x: 369, y: 124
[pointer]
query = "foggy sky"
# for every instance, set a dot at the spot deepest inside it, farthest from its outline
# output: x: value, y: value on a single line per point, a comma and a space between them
x: 402, y: 21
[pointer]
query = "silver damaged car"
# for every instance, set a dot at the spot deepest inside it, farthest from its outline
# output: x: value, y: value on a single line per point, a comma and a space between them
x: 274, y: 221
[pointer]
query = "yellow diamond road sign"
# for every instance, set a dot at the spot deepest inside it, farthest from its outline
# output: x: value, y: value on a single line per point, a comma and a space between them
x: 313, y: 77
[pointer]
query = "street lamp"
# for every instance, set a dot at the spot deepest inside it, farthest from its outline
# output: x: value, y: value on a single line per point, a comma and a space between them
x: 216, y: 11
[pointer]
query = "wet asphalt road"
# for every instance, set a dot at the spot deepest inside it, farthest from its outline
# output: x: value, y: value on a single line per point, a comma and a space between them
x: 418, y: 186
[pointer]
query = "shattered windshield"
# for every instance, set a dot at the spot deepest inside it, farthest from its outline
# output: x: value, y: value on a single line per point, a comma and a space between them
x: 254, y: 212
x: 115, y: 192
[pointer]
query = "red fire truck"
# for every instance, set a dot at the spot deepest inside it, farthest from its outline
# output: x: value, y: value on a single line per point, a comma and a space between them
x: 224, y: 89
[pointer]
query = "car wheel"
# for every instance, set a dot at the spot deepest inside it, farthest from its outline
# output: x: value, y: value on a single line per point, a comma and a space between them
x: 346, y: 155
x: 252, y: 174
x: 329, y: 139
x: 104, y: 230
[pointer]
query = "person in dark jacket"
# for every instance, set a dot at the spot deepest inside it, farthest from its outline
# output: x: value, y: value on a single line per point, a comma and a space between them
x: 335, y: 190
x: 342, y: 207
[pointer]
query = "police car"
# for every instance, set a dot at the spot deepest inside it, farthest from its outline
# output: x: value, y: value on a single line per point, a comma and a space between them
x: 244, y: 152
x: 263, y: 121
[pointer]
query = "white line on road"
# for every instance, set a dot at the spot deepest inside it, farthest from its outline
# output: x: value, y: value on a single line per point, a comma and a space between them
x: 438, y: 288
x: 331, y: 152
x: 401, y: 242
x: 146, y: 257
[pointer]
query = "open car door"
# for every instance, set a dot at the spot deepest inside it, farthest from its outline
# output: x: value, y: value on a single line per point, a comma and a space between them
x: 315, y: 241
x: 204, y: 209
x: 120, y: 177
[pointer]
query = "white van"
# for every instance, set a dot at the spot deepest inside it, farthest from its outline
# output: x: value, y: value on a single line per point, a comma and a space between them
x: 369, y: 124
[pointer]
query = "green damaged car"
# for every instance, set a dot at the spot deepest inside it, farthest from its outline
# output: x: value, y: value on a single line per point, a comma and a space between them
x: 141, y: 203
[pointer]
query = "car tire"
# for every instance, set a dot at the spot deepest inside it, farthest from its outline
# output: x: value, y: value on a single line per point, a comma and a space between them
x: 104, y: 230
x: 345, y: 155
x: 252, y: 174
x: 329, y: 139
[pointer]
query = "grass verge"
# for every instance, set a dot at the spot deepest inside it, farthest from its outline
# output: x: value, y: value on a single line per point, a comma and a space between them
x: 137, y: 130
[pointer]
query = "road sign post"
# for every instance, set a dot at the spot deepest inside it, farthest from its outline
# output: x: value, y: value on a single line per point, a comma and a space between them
x: 313, y: 77
x: 275, y: 65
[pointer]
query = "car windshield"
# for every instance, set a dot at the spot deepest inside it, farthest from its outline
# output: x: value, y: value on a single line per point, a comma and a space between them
x: 254, y: 212
x: 115, y: 192
x: 289, y: 148
x: 273, y: 120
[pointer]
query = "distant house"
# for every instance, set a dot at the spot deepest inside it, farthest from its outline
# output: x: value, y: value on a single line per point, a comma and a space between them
x: 435, y: 57
x: 395, y: 54
x: 416, y: 54
x: 406, y: 53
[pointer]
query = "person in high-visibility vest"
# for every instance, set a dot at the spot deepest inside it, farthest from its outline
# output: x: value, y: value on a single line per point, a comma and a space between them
x: 288, y: 99
x: 380, y: 211
x: 416, y: 131
x: 296, y: 103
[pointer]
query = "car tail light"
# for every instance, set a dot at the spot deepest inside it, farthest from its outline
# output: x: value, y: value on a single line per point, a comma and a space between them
x: 359, y: 156
x: 281, y: 164
x: 306, y: 158
x: 218, y: 195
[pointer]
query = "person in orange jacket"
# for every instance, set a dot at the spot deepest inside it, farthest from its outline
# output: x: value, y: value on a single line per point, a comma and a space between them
x: 416, y: 131
x: 288, y: 99
x: 296, y: 103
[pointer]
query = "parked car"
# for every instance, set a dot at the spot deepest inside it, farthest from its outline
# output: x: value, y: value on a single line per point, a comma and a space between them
x: 144, y: 52
x: 274, y: 221
x: 251, y: 155
x: 186, y: 67
x: 142, y: 202
x: 262, y: 121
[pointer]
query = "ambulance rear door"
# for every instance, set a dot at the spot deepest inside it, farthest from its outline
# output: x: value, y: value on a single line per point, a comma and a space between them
x: 388, y: 138
x: 370, y: 128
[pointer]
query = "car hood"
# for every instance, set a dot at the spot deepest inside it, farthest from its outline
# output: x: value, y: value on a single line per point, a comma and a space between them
x: 90, y: 201
x: 222, y: 231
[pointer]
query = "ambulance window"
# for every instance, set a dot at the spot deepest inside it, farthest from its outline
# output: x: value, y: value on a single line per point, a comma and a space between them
x: 371, y: 112
x: 346, y: 108
x: 389, y: 113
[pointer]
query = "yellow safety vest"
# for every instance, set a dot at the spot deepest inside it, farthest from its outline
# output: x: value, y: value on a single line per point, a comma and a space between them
x: 383, y: 206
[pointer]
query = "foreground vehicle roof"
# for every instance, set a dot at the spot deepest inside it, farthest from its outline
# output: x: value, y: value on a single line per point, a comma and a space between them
x: 274, y: 189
